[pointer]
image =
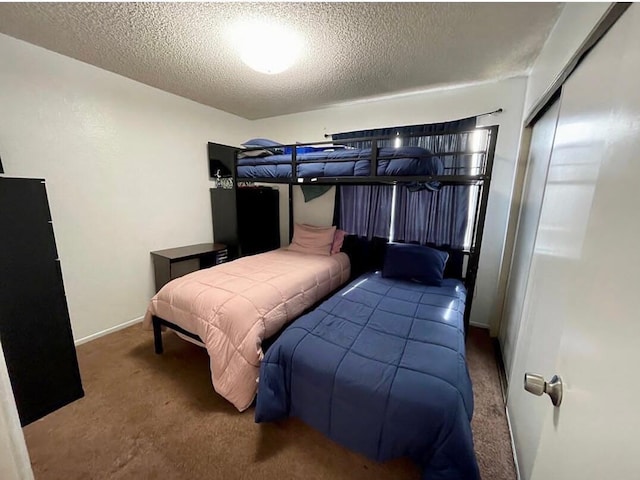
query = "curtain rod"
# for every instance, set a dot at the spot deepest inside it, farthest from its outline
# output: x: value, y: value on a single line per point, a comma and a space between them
x: 499, y: 110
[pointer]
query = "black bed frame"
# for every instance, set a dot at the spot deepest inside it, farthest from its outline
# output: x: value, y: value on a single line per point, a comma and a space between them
x: 223, y: 160
x: 158, y: 323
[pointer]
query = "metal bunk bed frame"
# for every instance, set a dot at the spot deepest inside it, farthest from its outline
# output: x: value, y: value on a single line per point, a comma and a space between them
x: 482, y: 180
x: 221, y: 157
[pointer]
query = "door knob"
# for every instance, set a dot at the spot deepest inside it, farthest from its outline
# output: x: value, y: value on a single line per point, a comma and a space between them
x: 534, y: 383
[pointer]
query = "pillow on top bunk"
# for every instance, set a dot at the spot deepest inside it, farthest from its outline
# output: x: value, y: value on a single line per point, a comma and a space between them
x: 270, y: 147
x: 414, y: 262
x: 311, y: 239
x: 261, y: 142
x: 256, y: 153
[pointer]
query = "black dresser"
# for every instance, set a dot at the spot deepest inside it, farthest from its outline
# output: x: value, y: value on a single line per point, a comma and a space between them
x: 35, y: 330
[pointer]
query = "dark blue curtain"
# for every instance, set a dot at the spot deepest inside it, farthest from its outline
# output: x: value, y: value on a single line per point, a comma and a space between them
x: 432, y: 143
x: 365, y: 210
x: 435, y: 217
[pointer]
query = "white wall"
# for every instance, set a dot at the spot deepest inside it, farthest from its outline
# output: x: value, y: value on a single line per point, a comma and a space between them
x: 571, y: 29
x: 126, y: 168
x: 318, y: 211
x: 427, y: 107
x: 126, y: 172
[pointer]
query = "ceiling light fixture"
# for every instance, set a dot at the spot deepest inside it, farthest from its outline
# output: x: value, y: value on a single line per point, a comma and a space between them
x: 266, y: 47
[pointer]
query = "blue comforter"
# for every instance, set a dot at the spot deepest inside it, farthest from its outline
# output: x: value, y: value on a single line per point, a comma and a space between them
x: 392, y: 162
x: 380, y: 368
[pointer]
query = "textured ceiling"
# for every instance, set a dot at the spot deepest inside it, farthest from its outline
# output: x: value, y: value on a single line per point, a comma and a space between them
x: 351, y: 50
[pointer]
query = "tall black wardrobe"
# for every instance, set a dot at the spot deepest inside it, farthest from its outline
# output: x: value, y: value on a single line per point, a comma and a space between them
x: 245, y: 218
x: 35, y: 330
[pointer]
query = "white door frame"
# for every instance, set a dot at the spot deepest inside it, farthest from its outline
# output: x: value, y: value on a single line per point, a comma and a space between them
x: 14, y: 458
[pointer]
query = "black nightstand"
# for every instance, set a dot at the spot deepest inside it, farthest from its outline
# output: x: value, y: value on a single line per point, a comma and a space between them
x: 175, y: 262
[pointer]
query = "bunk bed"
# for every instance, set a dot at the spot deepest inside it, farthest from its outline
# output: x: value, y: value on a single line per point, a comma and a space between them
x: 415, y: 399
x: 461, y: 167
x: 380, y: 366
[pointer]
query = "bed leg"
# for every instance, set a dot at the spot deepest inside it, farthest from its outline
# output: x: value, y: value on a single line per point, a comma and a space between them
x: 157, y: 335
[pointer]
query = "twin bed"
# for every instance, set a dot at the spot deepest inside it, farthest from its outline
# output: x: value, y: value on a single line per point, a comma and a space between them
x: 231, y: 308
x: 380, y: 368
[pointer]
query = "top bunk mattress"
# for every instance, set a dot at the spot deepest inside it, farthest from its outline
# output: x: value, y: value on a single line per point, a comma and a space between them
x: 402, y: 161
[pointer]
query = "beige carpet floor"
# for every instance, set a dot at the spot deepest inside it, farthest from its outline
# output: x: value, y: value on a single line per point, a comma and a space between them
x: 146, y: 416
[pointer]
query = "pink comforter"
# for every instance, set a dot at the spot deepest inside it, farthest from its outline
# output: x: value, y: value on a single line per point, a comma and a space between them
x: 232, y: 307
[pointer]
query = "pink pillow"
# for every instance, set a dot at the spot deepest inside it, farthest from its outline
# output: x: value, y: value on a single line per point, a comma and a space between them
x: 338, y: 240
x: 310, y: 239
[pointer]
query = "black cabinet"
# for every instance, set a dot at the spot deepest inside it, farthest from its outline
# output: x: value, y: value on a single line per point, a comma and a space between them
x: 224, y: 213
x: 246, y: 219
x: 258, y: 219
x: 34, y: 320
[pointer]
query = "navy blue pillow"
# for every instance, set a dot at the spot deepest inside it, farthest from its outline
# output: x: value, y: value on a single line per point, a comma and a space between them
x: 414, y: 262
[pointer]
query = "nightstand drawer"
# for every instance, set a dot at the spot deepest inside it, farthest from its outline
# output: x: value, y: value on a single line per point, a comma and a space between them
x: 179, y: 269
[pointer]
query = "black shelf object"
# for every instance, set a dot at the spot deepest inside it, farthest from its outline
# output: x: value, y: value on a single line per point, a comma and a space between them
x: 224, y: 217
x: 35, y: 329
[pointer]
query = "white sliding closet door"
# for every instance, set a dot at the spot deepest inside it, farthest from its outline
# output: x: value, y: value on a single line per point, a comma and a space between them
x: 535, y: 179
x: 580, y: 316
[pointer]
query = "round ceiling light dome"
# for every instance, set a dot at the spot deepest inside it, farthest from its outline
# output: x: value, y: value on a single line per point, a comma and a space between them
x: 266, y: 47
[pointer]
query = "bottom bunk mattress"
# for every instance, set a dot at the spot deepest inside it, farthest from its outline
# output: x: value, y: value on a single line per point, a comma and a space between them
x: 380, y: 368
x: 234, y: 306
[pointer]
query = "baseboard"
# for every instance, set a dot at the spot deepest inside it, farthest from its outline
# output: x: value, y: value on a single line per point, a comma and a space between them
x: 80, y: 341
x: 479, y: 325
x: 513, y: 445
